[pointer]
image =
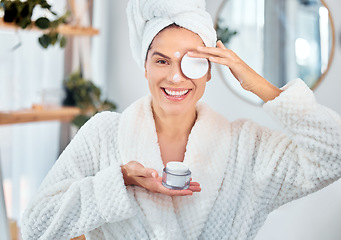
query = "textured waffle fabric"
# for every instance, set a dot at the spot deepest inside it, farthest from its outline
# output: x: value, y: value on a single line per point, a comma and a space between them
x: 245, y: 171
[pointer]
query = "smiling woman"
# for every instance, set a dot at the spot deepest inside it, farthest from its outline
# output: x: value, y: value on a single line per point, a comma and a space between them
x: 109, y: 178
x: 173, y: 93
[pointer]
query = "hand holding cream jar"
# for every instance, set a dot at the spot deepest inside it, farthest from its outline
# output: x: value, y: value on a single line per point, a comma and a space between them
x: 176, y: 176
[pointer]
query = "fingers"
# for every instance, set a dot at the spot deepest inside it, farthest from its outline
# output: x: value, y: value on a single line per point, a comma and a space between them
x: 213, y: 58
x: 151, y: 173
x: 220, y: 54
x: 206, y: 52
x: 194, y: 184
x: 199, y: 55
x: 194, y: 187
x: 221, y: 45
x: 139, y: 170
x: 155, y: 185
x: 149, y: 179
x: 135, y: 168
x: 219, y: 60
x: 172, y: 193
x: 215, y: 51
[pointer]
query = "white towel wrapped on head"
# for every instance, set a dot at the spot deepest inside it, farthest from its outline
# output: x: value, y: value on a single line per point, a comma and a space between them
x: 146, y: 18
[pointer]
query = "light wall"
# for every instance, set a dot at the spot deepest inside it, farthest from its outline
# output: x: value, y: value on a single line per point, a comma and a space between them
x: 314, y: 217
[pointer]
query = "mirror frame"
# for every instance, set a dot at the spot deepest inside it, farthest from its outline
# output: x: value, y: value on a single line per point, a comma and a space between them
x: 316, y: 84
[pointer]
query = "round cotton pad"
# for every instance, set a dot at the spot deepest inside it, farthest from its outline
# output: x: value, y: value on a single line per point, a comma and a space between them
x: 194, y: 68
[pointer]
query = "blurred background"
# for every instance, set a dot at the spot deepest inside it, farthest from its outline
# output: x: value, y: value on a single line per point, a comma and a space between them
x: 50, y: 84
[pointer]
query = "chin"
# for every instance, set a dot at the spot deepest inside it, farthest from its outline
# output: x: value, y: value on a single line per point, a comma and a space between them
x: 176, y: 110
x: 173, y: 108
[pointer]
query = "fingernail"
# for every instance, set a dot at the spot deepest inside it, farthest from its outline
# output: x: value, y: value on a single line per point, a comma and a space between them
x: 200, y: 47
x: 154, y: 174
x: 189, y: 53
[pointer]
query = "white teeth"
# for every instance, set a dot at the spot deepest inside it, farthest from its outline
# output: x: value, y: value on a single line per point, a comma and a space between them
x: 176, y: 93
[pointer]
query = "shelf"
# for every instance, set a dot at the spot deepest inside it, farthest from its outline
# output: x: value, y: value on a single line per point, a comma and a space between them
x: 77, y: 30
x: 64, y: 114
x: 64, y: 29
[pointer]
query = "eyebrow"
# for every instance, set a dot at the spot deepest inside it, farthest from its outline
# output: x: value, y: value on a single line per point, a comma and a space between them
x: 160, y: 54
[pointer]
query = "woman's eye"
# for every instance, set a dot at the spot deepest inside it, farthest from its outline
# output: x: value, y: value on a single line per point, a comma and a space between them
x: 162, y: 62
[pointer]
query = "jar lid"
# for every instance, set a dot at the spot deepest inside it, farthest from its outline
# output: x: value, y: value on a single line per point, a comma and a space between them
x: 177, y: 168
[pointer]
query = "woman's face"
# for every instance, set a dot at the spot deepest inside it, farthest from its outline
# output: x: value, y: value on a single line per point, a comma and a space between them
x: 173, y: 93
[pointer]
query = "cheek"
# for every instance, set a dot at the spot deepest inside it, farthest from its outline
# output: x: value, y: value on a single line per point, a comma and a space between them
x: 154, y: 78
x: 201, y: 85
x: 155, y: 74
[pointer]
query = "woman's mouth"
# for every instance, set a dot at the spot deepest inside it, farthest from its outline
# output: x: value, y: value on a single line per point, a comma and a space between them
x: 175, y: 94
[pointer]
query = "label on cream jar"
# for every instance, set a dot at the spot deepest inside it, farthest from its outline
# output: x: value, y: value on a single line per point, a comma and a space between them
x: 176, y: 175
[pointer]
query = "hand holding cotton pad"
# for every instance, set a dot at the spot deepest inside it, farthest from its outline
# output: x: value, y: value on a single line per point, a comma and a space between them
x: 194, y: 68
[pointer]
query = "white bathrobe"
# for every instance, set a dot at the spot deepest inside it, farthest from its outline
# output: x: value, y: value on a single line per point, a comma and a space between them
x: 245, y: 171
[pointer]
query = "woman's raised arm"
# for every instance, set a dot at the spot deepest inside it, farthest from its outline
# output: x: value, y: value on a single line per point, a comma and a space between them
x: 248, y: 78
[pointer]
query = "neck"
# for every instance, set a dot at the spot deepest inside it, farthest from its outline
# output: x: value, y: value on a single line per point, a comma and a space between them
x: 174, y: 126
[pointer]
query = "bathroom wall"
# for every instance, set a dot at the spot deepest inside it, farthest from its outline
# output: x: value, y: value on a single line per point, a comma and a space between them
x: 314, y: 217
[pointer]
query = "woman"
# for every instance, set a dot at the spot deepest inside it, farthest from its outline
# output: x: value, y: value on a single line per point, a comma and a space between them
x: 107, y: 184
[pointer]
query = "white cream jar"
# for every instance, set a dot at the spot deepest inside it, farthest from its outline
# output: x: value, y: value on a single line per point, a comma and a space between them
x: 176, y: 176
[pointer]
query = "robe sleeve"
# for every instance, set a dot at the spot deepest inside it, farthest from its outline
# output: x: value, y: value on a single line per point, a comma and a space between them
x: 307, y: 157
x: 84, y: 189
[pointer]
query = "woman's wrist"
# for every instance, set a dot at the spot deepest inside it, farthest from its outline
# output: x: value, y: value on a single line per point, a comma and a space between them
x: 126, y: 176
x: 265, y: 90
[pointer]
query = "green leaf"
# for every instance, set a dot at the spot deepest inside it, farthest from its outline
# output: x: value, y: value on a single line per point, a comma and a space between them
x: 45, y: 40
x: 44, y: 4
x: 54, y: 38
x: 54, y: 24
x: 62, y: 42
x: 10, y: 13
x: 80, y: 120
x: 26, y: 11
x: 24, y: 22
x: 43, y: 23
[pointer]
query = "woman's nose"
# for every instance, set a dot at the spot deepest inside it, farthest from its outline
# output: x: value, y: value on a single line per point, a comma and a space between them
x: 176, y: 75
x: 176, y: 78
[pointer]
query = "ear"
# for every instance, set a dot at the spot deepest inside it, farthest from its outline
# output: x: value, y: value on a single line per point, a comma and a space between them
x: 209, y: 75
x: 209, y: 72
x: 145, y: 68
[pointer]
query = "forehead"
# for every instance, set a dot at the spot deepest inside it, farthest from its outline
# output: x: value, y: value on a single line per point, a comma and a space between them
x: 176, y: 39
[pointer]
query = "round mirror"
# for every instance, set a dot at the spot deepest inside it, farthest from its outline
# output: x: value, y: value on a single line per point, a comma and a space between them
x: 280, y: 40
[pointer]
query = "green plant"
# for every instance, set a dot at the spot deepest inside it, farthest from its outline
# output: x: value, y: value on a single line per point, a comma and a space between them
x: 85, y: 95
x: 20, y: 13
x: 224, y: 33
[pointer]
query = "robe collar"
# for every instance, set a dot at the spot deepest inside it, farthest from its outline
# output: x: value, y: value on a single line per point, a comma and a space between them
x: 206, y: 156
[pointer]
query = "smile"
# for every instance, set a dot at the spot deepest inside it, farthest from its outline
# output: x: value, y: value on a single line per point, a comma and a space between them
x: 175, y: 93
